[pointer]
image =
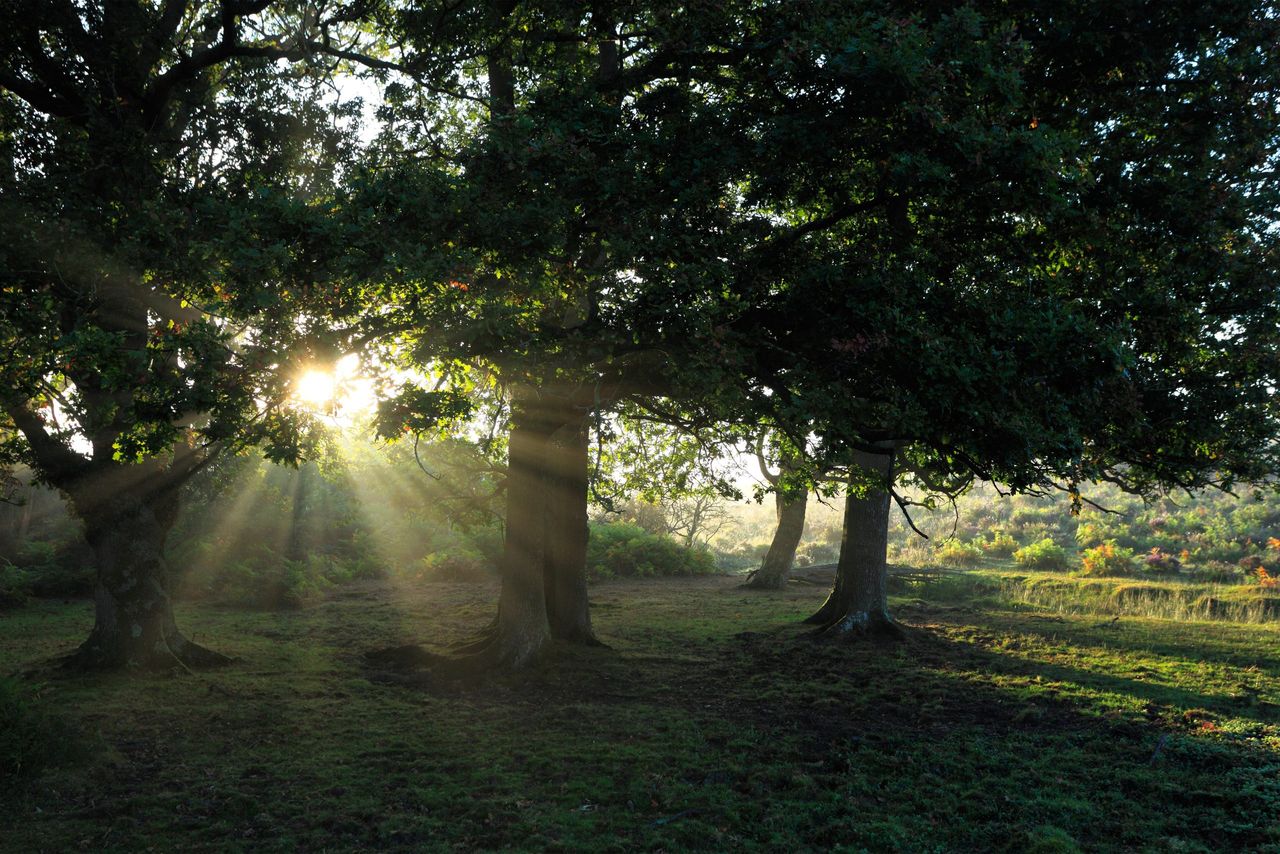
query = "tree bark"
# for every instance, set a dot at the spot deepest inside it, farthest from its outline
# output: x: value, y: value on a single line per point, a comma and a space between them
x: 565, y: 561
x: 299, y: 540
x: 544, y: 556
x: 134, y: 626
x: 773, y: 572
x: 858, y: 604
x: 523, y: 628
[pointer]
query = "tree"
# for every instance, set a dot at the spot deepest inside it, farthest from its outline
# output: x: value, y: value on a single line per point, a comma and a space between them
x: 791, y: 498
x: 1041, y: 255
x: 146, y: 316
x: 943, y: 233
x: 547, y: 219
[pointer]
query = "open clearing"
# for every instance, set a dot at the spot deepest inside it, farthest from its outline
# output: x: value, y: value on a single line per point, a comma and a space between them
x: 710, y: 723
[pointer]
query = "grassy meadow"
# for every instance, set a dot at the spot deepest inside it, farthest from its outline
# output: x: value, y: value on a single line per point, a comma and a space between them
x: 712, y: 722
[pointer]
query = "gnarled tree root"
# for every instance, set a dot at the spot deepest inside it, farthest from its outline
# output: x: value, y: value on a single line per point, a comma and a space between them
x: 758, y: 580
x: 175, y: 653
x: 857, y: 625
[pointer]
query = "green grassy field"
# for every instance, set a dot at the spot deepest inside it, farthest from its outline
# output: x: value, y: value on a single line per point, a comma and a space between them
x: 711, y: 723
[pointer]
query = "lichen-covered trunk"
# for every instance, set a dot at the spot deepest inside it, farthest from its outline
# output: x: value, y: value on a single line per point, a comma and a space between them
x: 134, y: 626
x: 565, y: 561
x: 773, y: 572
x: 858, y: 604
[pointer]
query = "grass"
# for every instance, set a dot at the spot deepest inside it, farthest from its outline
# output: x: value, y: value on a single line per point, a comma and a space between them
x: 712, y: 723
x: 1171, y: 599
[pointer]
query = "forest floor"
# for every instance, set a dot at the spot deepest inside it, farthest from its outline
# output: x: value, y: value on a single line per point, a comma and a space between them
x: 711, y: 722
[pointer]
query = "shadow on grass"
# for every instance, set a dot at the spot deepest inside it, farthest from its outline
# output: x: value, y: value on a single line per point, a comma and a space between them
x: 689, y: 735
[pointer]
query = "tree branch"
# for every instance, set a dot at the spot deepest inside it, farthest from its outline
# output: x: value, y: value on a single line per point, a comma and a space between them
x: 57, y: 462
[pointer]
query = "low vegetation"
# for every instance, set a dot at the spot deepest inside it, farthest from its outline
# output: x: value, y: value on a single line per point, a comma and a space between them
x: 1000, y: 724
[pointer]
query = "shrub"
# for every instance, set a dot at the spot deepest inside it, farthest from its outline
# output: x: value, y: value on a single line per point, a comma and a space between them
x: 628, y: 551
x: 30, y: 738
x: 1160, y: 562
x: 450, y: 566
x: 64, y: 581
x: 956, y: 552
x: 35, y: 554
x: 1043, y: 554
x: 1000, y: 544
x: 1217, y: 572
x: 1089, y: 534
x: 268, y: 580
x: 15, y: 586
x: 1250, y: 564
x: 915, y: 552
x: 817, y: 553
x: 47, y: 570
x: 1107, y: 559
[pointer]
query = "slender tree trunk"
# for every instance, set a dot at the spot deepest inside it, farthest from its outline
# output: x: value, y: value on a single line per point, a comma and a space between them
x: 858, y: 605
x: 565, y: 567
x: 134, y: 625
x: 772, y: 574
x: 299, y: 539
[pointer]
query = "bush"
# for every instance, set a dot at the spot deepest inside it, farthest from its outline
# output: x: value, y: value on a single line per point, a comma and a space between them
x: 15, y: 586
x: 915, y: 552
x: 35, y: 554
x: 450, y: 566
x: 1160, y: 562
x: 64, y: 581
x: 1000, y: 544
x: 47, y: 570
x: 30, y: 738
x: 817, y: 553
x: 271, y: 581
x: 955, y: 552
x: 628, y: 551
x: 1089, y: 534
x: 1044, y: 554
x: 1107, y: 559
x: 1217, y: 572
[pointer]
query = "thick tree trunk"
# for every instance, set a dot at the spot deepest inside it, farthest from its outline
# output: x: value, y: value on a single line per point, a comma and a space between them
x: 522, y: 628
x: 134, y: 625
x: 565, y: 562
x: 772, y: 574
x: 544, y: 559
x: 858, y: 605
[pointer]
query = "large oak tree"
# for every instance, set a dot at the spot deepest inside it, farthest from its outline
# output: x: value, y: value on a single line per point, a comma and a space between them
x: 146, y: 318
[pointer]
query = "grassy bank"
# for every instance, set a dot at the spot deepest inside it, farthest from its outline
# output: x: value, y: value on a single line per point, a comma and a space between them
x: 712, y: 723
x: 1062, y: 593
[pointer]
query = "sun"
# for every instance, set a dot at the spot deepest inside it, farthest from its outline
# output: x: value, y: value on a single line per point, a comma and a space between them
x: 341, y: 388
x: 316, y: 388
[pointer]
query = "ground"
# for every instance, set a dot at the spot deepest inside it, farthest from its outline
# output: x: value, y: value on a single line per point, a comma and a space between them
x: 711, y: 723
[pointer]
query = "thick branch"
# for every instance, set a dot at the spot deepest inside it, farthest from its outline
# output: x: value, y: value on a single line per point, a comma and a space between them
x: 57, y: 462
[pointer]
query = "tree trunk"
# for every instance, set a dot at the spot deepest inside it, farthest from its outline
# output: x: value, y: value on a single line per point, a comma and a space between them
x: 544, y: 556
x: 858, y: 605
x: 134, y: 625
x: 522, y: 628
x: 772, y: 574
x: 299, y: 543
x: 565, y: 566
